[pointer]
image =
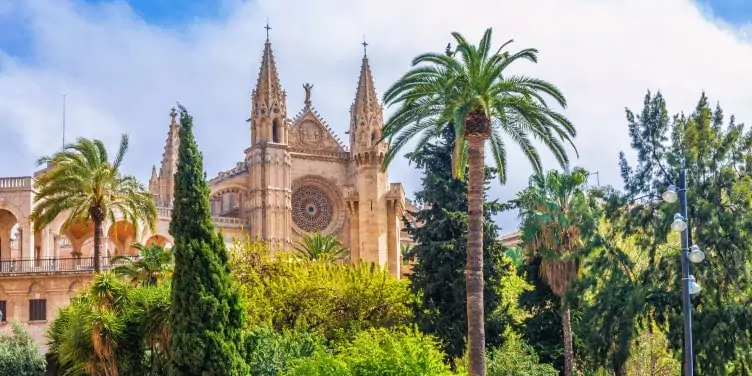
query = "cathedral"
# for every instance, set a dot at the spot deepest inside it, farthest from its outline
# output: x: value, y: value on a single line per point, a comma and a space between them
x: 297, y: 177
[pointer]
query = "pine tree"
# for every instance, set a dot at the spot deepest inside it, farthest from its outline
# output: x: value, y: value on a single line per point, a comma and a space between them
x: 441, y: 251
x: 206, y: 316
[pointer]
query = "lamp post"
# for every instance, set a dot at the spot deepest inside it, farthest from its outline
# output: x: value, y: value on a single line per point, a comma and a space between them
x: 688, y: 254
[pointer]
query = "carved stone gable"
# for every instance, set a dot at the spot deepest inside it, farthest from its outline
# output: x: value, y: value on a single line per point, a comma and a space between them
x: 309, y: 133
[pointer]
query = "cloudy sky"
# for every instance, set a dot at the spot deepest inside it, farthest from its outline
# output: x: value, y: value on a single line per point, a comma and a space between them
x: 123, y: 64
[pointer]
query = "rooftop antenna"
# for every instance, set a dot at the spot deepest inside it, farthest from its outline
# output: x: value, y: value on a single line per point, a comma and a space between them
x: 63, y: 121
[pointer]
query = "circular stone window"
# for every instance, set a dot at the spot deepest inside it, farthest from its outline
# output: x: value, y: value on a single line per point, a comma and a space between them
x: 312, y: 209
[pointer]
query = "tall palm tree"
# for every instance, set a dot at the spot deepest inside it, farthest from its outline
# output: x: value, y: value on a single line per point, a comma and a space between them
x: 321, y: 248
x: 468, y: 90
x: 558, y: 218
x: 153, y: 265
x: 90, y: 189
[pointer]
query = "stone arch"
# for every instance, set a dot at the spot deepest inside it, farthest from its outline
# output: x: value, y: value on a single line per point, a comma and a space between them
x: 317, y: 185
x: 218, y: 193
x: 36, y: 287
x: 122, y: 234
x: 164, y: 241
x: 9, y: 224
x: 12, y: 209
x: 74, y: 286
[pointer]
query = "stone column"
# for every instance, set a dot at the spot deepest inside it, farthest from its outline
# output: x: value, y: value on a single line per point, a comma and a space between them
x: 20, y: 241
x: 47, y: 243
x: 393, y: 234
x: 56, y: 240
x: 354, y: 232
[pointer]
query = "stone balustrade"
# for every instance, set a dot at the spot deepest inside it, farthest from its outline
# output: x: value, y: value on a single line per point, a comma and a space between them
x: 51, y: 265
x: 23, y: 183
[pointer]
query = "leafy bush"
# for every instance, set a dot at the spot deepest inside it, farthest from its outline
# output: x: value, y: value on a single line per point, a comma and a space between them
x: 269, y: 353
x: 112, y: 327
x: 377, y: 352
x: 513, y: 358
x: 336, y: 300
x: 19, y: 355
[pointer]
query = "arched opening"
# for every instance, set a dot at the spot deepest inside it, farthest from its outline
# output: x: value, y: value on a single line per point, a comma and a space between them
x: 75, y: 238
x: 9, y: 240
x: 159, y: 240
x: 276, y: 132
x: 122, y: 234
x: 375, y: 136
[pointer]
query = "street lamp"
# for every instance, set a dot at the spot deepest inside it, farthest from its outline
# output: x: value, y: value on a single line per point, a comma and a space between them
x: 695, y: 254
x: 689, y: 254
x: 694, y: 288
x: 671, y: 194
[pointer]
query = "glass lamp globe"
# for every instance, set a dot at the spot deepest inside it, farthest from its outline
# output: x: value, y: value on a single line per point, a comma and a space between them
x: 679, y: 224
x: 695, y: 255
x: 694, y: 288
x: 671, y: 194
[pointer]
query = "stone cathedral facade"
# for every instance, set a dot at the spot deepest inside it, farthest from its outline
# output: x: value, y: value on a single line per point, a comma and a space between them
x: 297, y: 177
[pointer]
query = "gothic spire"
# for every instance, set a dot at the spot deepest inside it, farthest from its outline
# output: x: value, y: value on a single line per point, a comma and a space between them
x: 170, y: 155
x: 268, y: 90
x: 366, y: 99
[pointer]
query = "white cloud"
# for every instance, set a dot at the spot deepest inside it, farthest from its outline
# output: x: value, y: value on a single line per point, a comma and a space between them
x: 121, y: 74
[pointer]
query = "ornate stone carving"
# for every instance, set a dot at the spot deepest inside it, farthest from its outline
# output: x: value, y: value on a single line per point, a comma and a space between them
x: 312, y: 209
x: 312, y: 135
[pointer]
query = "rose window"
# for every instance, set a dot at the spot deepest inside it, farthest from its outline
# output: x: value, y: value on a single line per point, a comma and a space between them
x: 312, y: 209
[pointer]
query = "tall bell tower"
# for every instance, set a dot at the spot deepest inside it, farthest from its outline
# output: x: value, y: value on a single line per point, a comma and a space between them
x: 366, y: 119
x: 268, y: 157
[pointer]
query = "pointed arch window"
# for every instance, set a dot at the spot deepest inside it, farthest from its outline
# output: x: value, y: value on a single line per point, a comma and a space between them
x: 276, y: 132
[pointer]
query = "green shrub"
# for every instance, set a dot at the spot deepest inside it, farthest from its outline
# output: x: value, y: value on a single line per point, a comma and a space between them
x: 19, y: 355
x: 269, y: 353
x: 336, y: 300
x: 513, y: 358
x: 378, y: 352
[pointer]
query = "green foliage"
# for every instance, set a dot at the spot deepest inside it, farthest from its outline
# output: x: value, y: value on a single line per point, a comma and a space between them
x: 335, y: 300
x: 320, y: 247
x: 378, y: 352
x: 717, y: 157
x: 206, y: 316
x: 86, y: 187
x: 515, y: 358
x: 112, y: 326
x: 153, y: 265
x: 444, y: 91
x: 19, y: 355
x: 270, y: 353
x: 438, y: 275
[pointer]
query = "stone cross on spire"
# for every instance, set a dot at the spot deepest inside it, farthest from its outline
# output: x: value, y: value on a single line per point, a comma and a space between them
x: 267, y: 27
x: 173, y: 115
x: 365, y: 46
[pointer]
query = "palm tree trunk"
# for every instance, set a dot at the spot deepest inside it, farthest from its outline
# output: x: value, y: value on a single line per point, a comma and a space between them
x: 566, y: 325
x: 97, y: 245
x: 476, y: 333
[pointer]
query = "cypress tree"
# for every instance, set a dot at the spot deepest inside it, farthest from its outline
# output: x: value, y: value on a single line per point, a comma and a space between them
x: 206, y: 316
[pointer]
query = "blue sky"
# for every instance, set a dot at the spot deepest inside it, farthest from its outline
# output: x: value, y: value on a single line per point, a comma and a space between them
x: 123, y: 65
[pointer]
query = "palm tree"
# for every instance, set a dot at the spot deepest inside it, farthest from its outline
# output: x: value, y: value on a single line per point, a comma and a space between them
x: 153, y: 265
x: 473, y: 95
x: 558, y: 218
x: 90, y: 189
x: 319, y: 247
